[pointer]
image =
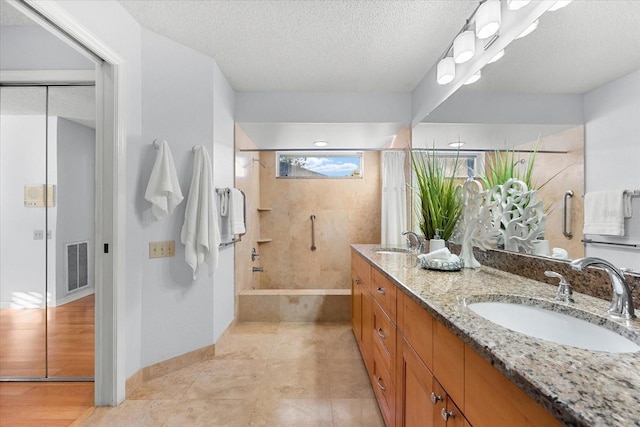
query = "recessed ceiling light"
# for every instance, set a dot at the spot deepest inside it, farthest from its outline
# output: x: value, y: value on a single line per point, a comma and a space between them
x: 456, y: 144
x: 320, y: 143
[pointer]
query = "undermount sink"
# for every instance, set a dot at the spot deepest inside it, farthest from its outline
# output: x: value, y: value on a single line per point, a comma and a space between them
x: 553, y: 326
x: 395, y: 251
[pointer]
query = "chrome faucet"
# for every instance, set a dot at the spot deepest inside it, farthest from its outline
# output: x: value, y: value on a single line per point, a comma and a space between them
x: 564, y: 292
x: 418, y: 244
x: 621, y: 301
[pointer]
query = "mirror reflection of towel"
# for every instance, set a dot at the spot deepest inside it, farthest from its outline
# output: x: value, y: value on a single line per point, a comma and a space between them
x: 605, y: 211
x: 163, y: 190
x: 236, y: 211
x: 200, y: 233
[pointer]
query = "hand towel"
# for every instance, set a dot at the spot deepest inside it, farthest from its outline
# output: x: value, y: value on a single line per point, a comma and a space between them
x: 236, y: 211
x: 605, y: 211
x: 443, y: 254
x: 200, y: 233
x: 163, y: 189
x: 225, y: 225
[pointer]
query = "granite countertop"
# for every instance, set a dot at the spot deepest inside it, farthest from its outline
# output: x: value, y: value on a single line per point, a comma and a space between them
x: 580, y: 387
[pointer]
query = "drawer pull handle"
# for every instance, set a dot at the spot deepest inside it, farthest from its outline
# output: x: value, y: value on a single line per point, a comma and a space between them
x: 381, y: 333
x: 435, y: 399
x: 379, y: 383
x: 380, y: 291
x: 446, y: 415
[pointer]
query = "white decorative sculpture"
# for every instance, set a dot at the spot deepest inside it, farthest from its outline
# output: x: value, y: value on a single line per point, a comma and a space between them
x: 476, y: 225
x: 522, y: 219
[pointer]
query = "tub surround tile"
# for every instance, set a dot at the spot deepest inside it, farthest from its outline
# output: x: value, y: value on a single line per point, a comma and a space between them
x: 580, y: 387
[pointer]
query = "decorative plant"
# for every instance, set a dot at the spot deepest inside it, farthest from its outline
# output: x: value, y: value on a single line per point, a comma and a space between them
x: 440, y: 197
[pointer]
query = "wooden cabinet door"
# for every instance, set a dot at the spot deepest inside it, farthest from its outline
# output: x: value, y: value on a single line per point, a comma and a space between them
x: 366, y: 347
x: 356, y: 306
x: 414, y: 407
x: 448, y: 362
x: 493, y: 400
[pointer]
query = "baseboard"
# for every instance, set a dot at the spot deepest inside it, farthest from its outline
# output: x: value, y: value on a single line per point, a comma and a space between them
x: 166, y: 366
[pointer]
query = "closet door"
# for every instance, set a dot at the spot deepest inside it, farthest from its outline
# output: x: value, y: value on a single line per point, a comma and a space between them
x: 70, y: 253
x: 24, y: 196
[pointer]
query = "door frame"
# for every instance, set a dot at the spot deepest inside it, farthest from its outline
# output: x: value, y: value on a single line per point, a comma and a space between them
x: 110, y: 375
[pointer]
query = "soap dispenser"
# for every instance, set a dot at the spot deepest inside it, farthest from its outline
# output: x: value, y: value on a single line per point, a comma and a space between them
x: 436, y: 243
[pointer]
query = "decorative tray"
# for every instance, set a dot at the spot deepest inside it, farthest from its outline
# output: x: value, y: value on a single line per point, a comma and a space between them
x: 442, y: 264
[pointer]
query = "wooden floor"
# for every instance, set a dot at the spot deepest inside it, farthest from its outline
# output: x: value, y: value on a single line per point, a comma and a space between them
x: 70, y: 336
x: 27, y: 404
x: 62, y: 348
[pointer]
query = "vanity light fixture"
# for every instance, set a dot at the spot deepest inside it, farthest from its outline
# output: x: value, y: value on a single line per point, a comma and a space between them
x: 559, y: 5
x: 517, y: 4
x: 488, y: 19
x: 474, y: 78
x: 464, y: 47
x: 530, y: 29
x: 320, y: 143
x: 496, y: 57
x: 446, y: 70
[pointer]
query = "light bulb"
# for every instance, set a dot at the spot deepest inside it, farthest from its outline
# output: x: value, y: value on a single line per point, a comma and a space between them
x: 446, y: 70
x: 474, y: 78
x: 530, y: 29
x: 464, y: 47
x: 488, y: 19
x: 496, y: 57
x: 517, y: 4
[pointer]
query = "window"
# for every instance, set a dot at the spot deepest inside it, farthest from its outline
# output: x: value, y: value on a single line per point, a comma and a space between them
x: 469, y: 165
x: 313, y: 164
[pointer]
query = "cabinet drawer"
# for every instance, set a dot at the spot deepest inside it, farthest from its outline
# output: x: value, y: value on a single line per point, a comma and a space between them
x: 448, y: 362
x: 383, y: 385
x: 384, y: 334
x: 416, y: 325
x: 493, y: 400
x: 384, y: 292
x: 362, y: 268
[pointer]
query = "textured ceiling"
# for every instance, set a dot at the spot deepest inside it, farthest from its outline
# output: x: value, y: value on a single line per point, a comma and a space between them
x: 331, y: 46
x: 389, y: 45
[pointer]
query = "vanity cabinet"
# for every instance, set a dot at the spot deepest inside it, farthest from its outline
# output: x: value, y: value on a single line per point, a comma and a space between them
x: 422, y: 374
x: 361, y: 308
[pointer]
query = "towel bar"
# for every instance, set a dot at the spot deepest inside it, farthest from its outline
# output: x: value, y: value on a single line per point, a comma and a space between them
x: 600, y: 242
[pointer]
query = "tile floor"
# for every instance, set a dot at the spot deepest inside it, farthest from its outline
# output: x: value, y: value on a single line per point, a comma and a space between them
x: 263, y: 374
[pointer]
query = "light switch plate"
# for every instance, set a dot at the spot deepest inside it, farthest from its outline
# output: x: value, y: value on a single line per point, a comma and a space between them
x: 162, y: 249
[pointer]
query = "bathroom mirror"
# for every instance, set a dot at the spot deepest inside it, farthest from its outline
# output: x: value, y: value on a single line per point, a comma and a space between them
x: 539, y: 89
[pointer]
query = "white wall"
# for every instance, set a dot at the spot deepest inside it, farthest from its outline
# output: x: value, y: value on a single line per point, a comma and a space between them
x: 22, y: 162
x: 223, y: 176
x: 109, y: 22
x: 612, y: 155
x: 167, y: 313
x: 177, y: 106
x: 76, y: 149
x: 19, y: 43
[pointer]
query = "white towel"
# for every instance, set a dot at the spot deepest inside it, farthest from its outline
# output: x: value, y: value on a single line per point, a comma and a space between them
x: 443, y: 254
x: 163, y: 189
x: 225, y: 225
x: 605, y: 211
x: 200, y: 233
x: 236, y: 211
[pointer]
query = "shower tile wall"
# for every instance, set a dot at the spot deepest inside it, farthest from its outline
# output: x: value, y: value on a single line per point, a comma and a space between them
x: 347, y: 211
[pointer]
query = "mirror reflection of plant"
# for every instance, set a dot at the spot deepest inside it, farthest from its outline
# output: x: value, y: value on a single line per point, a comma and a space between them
x: 439, y: 195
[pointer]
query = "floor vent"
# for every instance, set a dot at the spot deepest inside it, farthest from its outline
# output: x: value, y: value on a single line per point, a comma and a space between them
x: 77, y: 265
